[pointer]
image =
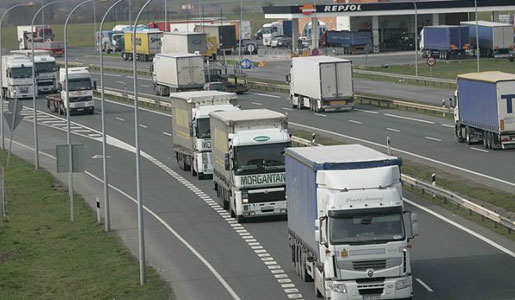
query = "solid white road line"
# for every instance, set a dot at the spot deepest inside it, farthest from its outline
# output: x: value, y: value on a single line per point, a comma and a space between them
x: 286, y: 108
x: 121, y: 82
x: 320, y: 115
x: 407, y: 152
x: 256, y: 103
x: 447, y: 125
x: 366, y: 111
x: 143, y: 126
x: 145, y: 86
x: 355, y: 122
x: 424, y: 285
x: 266, y: 95
x: 408, y: 118
x: 459, y: 226
x: 392, y: 129
x: 120, y: 119
x: 480, y: 150
x: 432, y: 138
x: 166, y: 133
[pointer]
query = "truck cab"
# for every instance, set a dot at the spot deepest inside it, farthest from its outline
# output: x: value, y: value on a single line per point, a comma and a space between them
x: 80, y: 87
x: 271, y: 30
x: 46, y: 73
x: 17, y: 77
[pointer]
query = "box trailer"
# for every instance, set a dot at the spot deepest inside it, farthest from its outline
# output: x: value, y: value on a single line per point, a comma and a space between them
x: 494, y: 38
x: 484, y: 110
x: 321, y: 83
x: 225, y: 35
x: 177, y: 72
x: 184, y: 42
x: 444, y: 41
x: 148, y: 44
x: 352, y: 41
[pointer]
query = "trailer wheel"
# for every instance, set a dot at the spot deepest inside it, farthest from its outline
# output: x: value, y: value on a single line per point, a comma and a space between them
x: 468, y: 135
x: 493, y: 144
x: 458, y: 131
x: 486, y: 139
x: 291, y: 102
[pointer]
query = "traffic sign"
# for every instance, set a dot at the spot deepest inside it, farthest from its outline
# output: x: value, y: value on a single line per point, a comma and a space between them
x: 315, y: 52
x: 246, y: 64
x: 251, y: 48
x: 431, y: 61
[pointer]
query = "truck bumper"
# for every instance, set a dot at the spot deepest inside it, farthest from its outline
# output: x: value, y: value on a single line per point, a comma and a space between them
x: 250, y: 210
x: 387, y: 289
x: 79, y: 110
x: 338, y: 105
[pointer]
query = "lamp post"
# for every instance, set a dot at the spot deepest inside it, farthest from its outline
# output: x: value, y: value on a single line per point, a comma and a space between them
x: 67, y: 109
x: 34, y: 85
x: 166, y: 16
x: 477, y: 37
x: 416, y: 38
x: 138, y: 156
x: 241, y: 27
x: 104, y: 148
x: 30, y: 4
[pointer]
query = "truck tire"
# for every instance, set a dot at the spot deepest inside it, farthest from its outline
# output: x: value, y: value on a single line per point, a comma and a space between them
x: 468, y: 135
x: 486, y: 141
x: 457, y: 132
x: 241, y: 219
x: 291, y: 102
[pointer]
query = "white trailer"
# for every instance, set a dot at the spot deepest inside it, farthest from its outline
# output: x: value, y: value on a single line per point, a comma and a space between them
x: 184, y: 42
x: 321, y: 83
x: 177, y: 72
x: 17, y: 77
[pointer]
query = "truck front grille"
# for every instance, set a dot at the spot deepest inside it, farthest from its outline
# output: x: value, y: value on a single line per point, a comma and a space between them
x: 370, y: 286
x: 369, y: 264
x: 267, y: 197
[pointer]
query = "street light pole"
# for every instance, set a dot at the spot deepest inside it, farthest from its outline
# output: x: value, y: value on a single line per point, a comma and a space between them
x: 416, y: 38
x: 166, y: 16
x: 477, y: 37
x: 34, y: 85
x: 104, y: 147
x: 30, y: 4
x: 138, y: 157
x: 241, y: 26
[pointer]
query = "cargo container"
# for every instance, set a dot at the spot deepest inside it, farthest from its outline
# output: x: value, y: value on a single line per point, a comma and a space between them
x: 191, y: 128
x: 484, y: 110
x: 177, y: 72
x: 494, y: 38
x: 184, y: 42
x: 445, y: 41
x: 321, y: 83
x: 347, y: 228
x: 148, y: 44
x: 353, y: 42
x: 225, y: 35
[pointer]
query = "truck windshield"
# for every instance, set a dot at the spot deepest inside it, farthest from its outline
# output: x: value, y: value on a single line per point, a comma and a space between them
x: 255, y: 159
x: 79, y: 84
x: 203, y: 129
x: 367, y: 226
x: 46, y: 67
x: 21, y: 72
x: 267, y: 30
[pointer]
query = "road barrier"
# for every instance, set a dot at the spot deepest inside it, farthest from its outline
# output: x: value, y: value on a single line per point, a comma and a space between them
x: 426, y: 187
x: 442, y: 82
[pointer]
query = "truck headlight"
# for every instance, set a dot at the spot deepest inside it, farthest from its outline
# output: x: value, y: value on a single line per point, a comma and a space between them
x: 402, y: 284
x: 245, y: 197
x: 338, y: 287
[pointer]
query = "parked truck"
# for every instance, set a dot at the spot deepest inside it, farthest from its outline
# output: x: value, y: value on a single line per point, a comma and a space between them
x: 184, y: 42
x: 444, y: 41
x: 107, y: 41
x: 484, y: 109
x: 148, y: 44
x: 47, y: 72
x: 44, y: 39
x: 248, y: 161
x: 271, y: 30
x: 347, y: 228
x: 80, y: 87
x: 494, y: 38
x: 177, y: 72
x: 225, y: 35
x: 352, y: 42
x: 191, y: 128
x: 328, y: 87
x: 16, y: 77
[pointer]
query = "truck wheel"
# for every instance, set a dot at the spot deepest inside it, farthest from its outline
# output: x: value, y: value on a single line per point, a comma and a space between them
x: 493, y: 144
x: 468, y: 135
x: 486, y: 137
x: 241, y: 219
x: 457, y: 132
x: 291, y: 102
x: 193, y: 173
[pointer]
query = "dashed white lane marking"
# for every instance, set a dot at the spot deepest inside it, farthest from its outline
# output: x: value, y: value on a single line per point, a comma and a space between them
x: 355, y: 122
x: 140, y: 78
x: 320, y: 115
x: 408, y: 118
x: 120, y: 119
x: 424, y: 285
x: 432, y: 139
x: 447, y: 125
x: 145, y: 86
x: 143, y: 126
x: 257, y: 103
x: 121, y: 82
x: 366, y: 111
x: 480, y: 150
x: 266, y: 95
x: 392, y: 129
x: 286, y: 108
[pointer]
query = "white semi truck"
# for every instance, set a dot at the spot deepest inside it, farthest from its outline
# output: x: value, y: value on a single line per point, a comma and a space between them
x: 347, y: 227
x: 271, y: 30
x: 80, y: 87
x: 172, y: 72
x: 17, y: 77
x: 248, y: 161
x: 191, y: 128
x: 321, y: 83
x: 46, y: 70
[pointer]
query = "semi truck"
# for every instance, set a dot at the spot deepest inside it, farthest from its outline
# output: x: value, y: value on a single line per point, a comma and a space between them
x: 271, y: 30
x: 444, y: 41
x: 191, y: 128
x: 347, y: 227
x: 352, y: 42
x: 494, y: 38
x: 80, y: 87
x: 177, y: 72
x: 248, y: 162
x: 107, y: 41
x: 47, y: 72
x: 329, y: 85
x: 44, y: 39
x: 184, y: 42
x: 17, y: 77
x: 148, y: 44
x: 225, y: 35
x: 484, y: 109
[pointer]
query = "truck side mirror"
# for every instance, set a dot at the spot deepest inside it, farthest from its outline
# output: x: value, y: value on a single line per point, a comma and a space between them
x: 227, y: 162
x: 94, y: 84
x: 288, y: 78
x: 317, y: 230
x: 191, y: 130
x: 413, y: 224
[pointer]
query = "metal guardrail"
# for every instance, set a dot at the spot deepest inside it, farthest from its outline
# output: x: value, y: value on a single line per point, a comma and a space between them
x: 417, y: 79
x: 438, y: 192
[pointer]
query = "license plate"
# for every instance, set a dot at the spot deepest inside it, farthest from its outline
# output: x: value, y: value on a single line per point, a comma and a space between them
x: 339, y: 102
x: 371, y: 297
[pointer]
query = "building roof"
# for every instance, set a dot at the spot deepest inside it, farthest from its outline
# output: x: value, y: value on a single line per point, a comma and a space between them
x: 493, y: 76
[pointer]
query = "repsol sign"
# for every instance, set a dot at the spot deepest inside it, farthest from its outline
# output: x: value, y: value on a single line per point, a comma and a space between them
x: 342, y: 8
x: 263, y: 179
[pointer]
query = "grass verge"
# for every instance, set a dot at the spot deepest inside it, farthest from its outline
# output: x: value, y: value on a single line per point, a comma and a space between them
x: 499, y: 201
x: 45, y: 256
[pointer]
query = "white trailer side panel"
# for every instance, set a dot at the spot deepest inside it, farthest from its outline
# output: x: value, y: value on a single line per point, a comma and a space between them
x: 306, y: 78
x: 345, y: 86
x: 329, y: 83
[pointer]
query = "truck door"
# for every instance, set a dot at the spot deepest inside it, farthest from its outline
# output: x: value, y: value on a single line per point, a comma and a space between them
x: 328, y: 84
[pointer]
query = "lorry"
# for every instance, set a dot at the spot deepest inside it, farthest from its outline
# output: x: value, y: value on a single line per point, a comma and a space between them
x: 16, y: 77
x: 105, y: 40
x: 444, y: 41
x: 484, y: 109
x: 44, y: 39
x: 191, y: 128
x: 246, y: 28
x: 329, y: 86
x: 80, y: 87
x: 46, y: 70
x: 184, y: 42
x: 271, y: 30
x: 248, y: 162
x: 225, y: 35
x: 494, y: 38
x: 353, y: 42
x: 177, y: 72
x: 148, y: 44
x: 347, y: 227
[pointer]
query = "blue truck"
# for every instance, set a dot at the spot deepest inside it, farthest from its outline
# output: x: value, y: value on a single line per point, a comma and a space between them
x: 352, y: 41
x: 287, y: 28
x: 494, y: 38
x: 484, y: 110
x: 444, y: 41
x: 347, y: 228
